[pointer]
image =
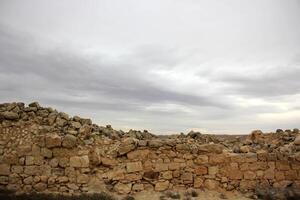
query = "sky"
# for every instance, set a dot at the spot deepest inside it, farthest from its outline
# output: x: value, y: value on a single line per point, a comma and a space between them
x: 168, y: 66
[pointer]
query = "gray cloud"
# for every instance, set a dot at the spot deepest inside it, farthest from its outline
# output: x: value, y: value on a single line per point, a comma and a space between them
x: 165, y: 66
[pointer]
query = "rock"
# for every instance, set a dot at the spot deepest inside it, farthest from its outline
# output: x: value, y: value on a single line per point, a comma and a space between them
x: 122, y: 188
x: 244, y: 149
x: 4, y: 169
x: 134, y: 167
x: 162, y: 185
x: 211, y: 184
x: 297, y: 140
x: 79, y: 161
x: 127, y: 145
x: 82, y: 178
x: 10, y: 115
x: 198, y: 182
x: 69, y: 141
x: 76, y: 125
x: 211, y: 148
x: 40, y: 187
x: 34, y: 104
x: 108, y: 162
x: 53, y: 141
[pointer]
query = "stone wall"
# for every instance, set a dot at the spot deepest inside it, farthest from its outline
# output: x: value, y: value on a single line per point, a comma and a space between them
x: 47, y: 151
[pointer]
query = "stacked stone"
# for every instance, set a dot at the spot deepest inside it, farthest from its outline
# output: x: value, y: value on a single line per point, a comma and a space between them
x: 47, y: 151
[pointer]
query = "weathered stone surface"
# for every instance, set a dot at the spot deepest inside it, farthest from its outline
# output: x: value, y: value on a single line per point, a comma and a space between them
x: 79, y: 161
x: 201, y: 170
x: 69, y: 141
x: 40, y: 187
x: 134, y: 167
x: 162, y: 185
x: 44, y: 150
x: 53, y: 141
x: 297, y: 140
x: 108, y: 162
x: 82, y: 178
x: 211, y: 184
x: 122, y: 188
x: 127, y: 145
x: 198, y: 182
x: 211, y: 148
x: 10, y: 115
x: 4, y: 169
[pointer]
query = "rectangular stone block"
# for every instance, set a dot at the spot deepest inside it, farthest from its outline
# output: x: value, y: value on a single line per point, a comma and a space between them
x: 134, y: 166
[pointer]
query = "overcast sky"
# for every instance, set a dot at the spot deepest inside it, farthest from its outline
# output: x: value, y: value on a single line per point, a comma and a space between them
x: 168, y: 66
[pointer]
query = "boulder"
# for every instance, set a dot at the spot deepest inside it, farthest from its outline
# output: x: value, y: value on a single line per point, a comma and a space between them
x: 127, y: 145
x: 210, y: 148
x: 134, y: 166
x: 10, y: 115
x: 52, y: 141
x: 162, y: 185
x: 297, y: 140
x: 69, y: 141
x: 79, y: 161
x: 122, y: 188
x: 4, y: 169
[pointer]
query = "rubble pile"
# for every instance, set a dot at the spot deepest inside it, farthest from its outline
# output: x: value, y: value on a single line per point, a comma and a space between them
x: 44, y: 150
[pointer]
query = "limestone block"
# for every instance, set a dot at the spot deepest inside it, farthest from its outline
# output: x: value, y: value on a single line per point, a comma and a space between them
x: 134, y: 167
x: 4, y: 169
x: 122, y: 188
x: 52, y: 141
x: 162, y: 185
x: 79, y: 161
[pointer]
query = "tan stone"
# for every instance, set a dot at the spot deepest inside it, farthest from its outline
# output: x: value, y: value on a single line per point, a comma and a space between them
x: 282, y: 165
x: 79, y: 161
x: 122, y: 188
x: 47, y: 153
x: 138, y: 187
x: 53, y: 141
x: 158, y: 167
x: 40, y: 187
x: 213, y: 170
x: 247, y: 184
x: 211, y: 184
x: 167, y: 175
x: 108, y: 162
x: 29, y: 160
x: 72, y: 186
x: 217, y: 158
x: 249, y: 175
x: 297, y: 140
x: 82, y: 178
x: 187, y: 177
x: 174, y: 166
x: 138, y: 154
x: 133, y: 177
x: 17, y: 169
x: 127, y: 145
x: 162, y: 185
x: 201, y: 159
x: 210, y: 148
x: 134, y: 167
x: 4, y: 169
x: 69, y: 141
x: 198, y: 182
x: 234, y: 174
x: 269, y: 174
x: 201, y: 170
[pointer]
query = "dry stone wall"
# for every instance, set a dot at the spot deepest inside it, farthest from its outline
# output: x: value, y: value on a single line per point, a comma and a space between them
x: 44, y: 150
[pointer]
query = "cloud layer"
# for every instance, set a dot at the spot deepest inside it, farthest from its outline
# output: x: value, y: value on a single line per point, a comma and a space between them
x: 229, y: 82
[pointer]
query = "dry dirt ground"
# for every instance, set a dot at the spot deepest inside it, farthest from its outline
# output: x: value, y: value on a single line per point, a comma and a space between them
x: 206, y: 194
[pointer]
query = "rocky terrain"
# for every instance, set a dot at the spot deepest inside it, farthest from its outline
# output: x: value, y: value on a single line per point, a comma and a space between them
x: 44, y: 150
